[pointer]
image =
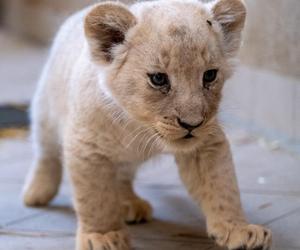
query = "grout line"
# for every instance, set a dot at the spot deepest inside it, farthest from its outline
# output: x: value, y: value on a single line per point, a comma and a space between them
x: 181, y: 240
x: 282, y: 216
x: 270, y: 192
x: 294, y: 111
x: 31, y: 216
x: 34, y: 234
x: 289, y: 247
x: 245, y: 191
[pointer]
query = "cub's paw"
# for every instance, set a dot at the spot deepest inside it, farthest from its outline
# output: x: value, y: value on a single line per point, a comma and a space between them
x: 136, y: 211
x: 39, y: 191
x: 240, y: 237
x: 114, y: 240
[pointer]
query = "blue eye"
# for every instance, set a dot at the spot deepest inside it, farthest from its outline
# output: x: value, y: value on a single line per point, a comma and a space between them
x: 209, y: 76
x: 159, y: 80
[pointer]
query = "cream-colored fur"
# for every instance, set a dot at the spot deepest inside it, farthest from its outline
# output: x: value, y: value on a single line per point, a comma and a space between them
x: 97, y: 112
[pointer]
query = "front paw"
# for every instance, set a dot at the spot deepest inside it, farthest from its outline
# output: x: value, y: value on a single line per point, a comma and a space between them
x: 114, y: 240
x: 136, y: 211
x: 236, y: 236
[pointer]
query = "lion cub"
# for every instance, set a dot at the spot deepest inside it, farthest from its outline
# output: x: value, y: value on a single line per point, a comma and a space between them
x: 123, y: 84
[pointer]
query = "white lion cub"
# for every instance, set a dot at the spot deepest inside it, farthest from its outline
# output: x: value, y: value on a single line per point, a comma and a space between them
x: 124, y: 83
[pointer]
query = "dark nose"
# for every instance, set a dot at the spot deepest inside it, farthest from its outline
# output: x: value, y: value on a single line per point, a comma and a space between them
x: 187, y: 126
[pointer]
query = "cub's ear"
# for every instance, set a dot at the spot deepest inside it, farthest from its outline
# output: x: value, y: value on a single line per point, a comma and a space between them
x: 105, y: 27
x: 231, y: 15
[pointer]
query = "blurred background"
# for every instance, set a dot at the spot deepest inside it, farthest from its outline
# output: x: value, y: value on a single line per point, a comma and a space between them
x: 260, y: 111
x: 263, y: 96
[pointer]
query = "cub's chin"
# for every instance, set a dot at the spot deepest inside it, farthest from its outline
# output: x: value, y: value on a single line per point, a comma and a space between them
x: 184, y: 144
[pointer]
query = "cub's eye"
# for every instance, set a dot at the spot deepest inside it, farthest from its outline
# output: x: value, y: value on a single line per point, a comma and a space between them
x: 209, y: 76
x: 159, y: 80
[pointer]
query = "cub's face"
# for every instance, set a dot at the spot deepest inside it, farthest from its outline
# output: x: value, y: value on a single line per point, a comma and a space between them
x: 167, y: 61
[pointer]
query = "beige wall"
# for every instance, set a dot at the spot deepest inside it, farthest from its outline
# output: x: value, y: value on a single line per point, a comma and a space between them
x: 40, y: 19
x: 272, y: 36
x: 265, y: 92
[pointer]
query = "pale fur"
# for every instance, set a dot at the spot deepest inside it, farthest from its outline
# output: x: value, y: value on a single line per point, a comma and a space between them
x: 96, y: 113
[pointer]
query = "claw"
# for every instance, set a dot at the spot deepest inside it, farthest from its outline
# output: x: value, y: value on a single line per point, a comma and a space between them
x: 241, y: 248
x: 250, y: 234
x: 212, y: 237
x: 91, y: 247
x: 266, y: 233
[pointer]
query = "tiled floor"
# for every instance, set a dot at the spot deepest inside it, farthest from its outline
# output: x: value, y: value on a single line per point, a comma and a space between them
x: 269, y: 180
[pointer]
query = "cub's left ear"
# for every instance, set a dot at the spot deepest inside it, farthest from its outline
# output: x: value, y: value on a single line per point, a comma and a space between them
x: 231, y: 15
x: 106, y: 26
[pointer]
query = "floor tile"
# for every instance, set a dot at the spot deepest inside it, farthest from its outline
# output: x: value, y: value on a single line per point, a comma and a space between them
x: 286, y: 231
x: 8, y: 242
x: 263, y: 170
x: 270, y: 195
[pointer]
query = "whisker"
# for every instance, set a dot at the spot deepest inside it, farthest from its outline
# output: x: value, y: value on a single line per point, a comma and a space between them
x: 154, y: 143
x: 132, y: 133
x: 136, y: 136
x: 147, y: 143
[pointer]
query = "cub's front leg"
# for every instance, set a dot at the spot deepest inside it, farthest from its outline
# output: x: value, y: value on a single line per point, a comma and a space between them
x: 100, y: 224
x: 209, y: 176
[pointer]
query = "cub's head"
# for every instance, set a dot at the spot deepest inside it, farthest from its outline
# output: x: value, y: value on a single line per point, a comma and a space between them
x: 166, y: 61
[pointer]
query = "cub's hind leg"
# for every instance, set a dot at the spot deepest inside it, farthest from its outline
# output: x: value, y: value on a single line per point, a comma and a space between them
x: 43, y: 181
x: 135, y: 209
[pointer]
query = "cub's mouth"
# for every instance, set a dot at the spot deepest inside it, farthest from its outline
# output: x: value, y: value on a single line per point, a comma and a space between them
x: 173, y: 133
x: 188, y: 136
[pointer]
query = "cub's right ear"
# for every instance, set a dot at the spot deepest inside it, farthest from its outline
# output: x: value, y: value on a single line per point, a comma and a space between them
x: 231, y: 15
x: 105, y: 27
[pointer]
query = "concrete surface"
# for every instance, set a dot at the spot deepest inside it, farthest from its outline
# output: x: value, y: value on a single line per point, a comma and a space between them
x: 269, y: 180
x: 265, y: 102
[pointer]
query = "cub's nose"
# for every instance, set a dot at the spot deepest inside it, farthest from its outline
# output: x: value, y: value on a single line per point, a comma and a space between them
x: 187, y: 126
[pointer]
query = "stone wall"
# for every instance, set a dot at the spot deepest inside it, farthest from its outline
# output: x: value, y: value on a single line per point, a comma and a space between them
x: 264, y: 94
x: 272, y: 36
x: 39, y: 19
x: 22, y: 16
